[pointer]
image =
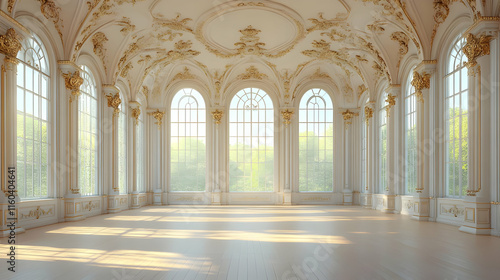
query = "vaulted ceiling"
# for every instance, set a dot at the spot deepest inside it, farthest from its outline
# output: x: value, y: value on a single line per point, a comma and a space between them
x: 150, y: 45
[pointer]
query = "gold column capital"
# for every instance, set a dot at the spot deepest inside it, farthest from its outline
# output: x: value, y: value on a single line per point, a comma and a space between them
x: 217, y: 115
x: 114, y: 102
x: 136, y: 112
x: 348, y: 115
x: 287, y: 116
x: 158, y: 115
x: 368, y: 114
x: 73, y: 81
x: 420, y: 82
x: 475, y: 47
x: 10, y: 45
x: 391, y: 102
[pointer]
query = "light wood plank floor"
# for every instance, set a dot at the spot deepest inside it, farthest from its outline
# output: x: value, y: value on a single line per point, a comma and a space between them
x: 252, y: 242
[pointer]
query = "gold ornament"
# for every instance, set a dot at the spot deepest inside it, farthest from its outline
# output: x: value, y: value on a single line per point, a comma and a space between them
x: 114, y: 102
x: 391, y: 100
x: 158, y: 115
x: 73, y: 81
x: 287, y: 116
x: 136, y: 112
x: 217, y: 115
x: 420, y: 82
x: 368, y: 114
x: 10, y: 45
x: 476, y: 47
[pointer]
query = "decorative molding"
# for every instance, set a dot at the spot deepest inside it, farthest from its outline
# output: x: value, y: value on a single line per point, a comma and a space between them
x: 136, y: 112
x: 348, y: 115
x: 184, y: 75
x: 217, y: 116
x: 37, y: 213
x: 453, y: 210
x: 441, y: 12
x: 91, y: 205
x: 323, y: 24
x: 391, y: 102
x: 420, y: 82
x: 114, y: 102
x: 319, y: 75
x: 476, y: 47
x: 176, y: 23
x: 10, y: 45
x: 403, y: 41
x: 158, y: 115
x: 98, y: 40
x: 73, y: 81
x: 51, y: 11
x: 251, y: 73
x: 10, y: 5
x: 287, y: 116
x: 368, y: 114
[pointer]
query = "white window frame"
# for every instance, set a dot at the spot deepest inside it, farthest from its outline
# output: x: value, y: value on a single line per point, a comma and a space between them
x: 410, y: 126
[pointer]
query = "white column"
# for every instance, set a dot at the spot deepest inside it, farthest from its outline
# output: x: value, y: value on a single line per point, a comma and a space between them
x: 477, y: 218
x: 347, y: 191
x: 136, y: 112
x: 393, y: 180
x: 9, y: 49
x: 369, y: 109
x: 111, y: 157
x: 217, y: 115
x: 287, y: 114
x: 156, y: 154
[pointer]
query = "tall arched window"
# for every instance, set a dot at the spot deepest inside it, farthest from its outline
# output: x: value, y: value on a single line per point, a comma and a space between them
x: 87, y: 134
x: 383, y: 144
x: 316, y: 142
x: 188, y: 141
x: 251, y: 140
x: 33, y: 121
x: 456, y: 117
x: 411, y: 163
x: 140, y: 151
x: 122, y: 149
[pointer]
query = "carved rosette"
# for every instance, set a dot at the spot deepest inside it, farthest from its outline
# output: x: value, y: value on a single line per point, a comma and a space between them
x: 10, y: 45
x: 368, y: 114
x: 136, y: 112
x: 348, y: 115
x: 476, y: 47
x: 114, y: 102
x: 73, y: 81
x: 391, y: 102
x: 421, y: 82
x: 158, y: 115
x: 287, y: 116
x: 217, y: 115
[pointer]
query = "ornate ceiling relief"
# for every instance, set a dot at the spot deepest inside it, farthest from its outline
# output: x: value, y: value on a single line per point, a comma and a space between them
x: 252, y: 73
x: 10, y: 5
x: 361, y: 89
x: 98, y: 41
x: 51, y: 11
x: 441, y: 12
x: 176, y: 23
x: 403, y: 41
x: 127, y: 26
x: 126, y: 69
x: 324, y: 24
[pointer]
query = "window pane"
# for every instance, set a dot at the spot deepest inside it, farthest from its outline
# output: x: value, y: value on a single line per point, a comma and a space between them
x: 251, y: 157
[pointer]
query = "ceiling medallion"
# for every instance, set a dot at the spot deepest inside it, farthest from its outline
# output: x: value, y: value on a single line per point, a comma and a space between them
x: 218, y: 29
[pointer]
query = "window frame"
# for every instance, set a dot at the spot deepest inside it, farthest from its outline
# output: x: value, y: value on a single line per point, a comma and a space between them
x: 410, y: 115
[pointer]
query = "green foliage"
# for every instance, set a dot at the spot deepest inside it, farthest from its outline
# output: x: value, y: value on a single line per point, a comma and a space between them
x: 457, y: 158
x: 316, y: 161
x: 251, y: 169
x: 188, y: 165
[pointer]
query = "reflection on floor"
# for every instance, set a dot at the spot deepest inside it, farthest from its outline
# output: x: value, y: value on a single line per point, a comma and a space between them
x: 251, y: 242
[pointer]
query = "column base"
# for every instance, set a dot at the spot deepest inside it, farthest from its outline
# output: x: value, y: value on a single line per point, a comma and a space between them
x: 347, y: 197
x: 157, y: 197
x: 421, y: 208
x: 216, y: 197
x: 287, y: 198
x: 73, y: 208
x: 477, y: 216
x: 113, y: 204
x: 366, y: 200
x: 135, y: 200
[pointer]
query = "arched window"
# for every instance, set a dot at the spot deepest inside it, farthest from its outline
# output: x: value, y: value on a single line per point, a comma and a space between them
x: 140, y: 151
x: 411, y: 164
x: 383, y: 144
x: 316, y: 142
x: 87, y: 134
x: 456, y: 117
x: 251, y: 140
x: 188, y: 141
x: 33, y: 121
x: 122, y: 149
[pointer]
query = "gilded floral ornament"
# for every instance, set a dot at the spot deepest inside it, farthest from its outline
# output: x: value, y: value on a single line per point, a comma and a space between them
x: 391, y: 102
x: 73, y: 81
x: 182, y: 51
x: 114, y: 102
x: 368, y: 114
x: 476, y: 47
x: 184, y: 75
x: 98, y: 40
x: 10, y: 45
x: 217, y: 116
x: 176, y: 23
x: 420, y: 82
x: 318, y: 75
x: 10, y: 5
x: 51, y: 11
x: 403, y: 41
x: 287, y: 116
x: 136, y: 113
x: 252, y: 73
x: 158, y: 115
x: 322, y: 24
x: 348, y: 115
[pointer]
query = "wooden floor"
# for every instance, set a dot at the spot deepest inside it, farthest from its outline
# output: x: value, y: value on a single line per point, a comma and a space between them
x: 252, y: 242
